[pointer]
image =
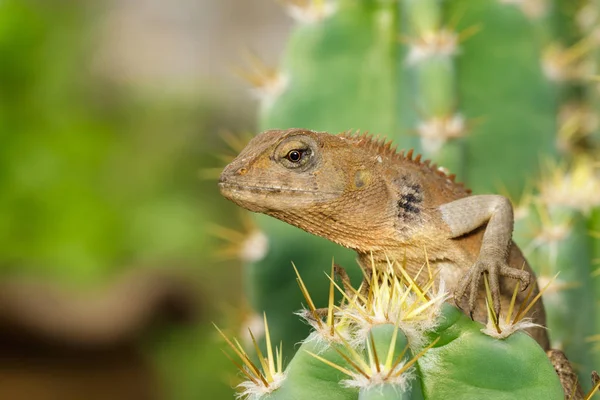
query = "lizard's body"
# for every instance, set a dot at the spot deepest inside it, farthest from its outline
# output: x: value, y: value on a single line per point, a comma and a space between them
x: 360, y: 193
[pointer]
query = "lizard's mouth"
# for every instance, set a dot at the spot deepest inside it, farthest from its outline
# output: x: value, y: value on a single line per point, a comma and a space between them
x: 230, y: 187
x: 266, y: 198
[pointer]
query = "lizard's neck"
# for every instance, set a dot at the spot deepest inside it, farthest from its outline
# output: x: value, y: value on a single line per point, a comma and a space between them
x: 364, y: 227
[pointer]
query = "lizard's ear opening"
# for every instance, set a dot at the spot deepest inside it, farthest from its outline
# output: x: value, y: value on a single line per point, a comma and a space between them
x: 299, y: 153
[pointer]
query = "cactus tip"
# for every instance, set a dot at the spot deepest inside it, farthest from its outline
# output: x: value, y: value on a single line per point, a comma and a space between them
x: 366, y: 371
x: 263, y: 378
x: 562, y: 64
x: 394, y: 297
x: 310, y: 11
x: 531, y: 8
x: 248, y: 244
x: 576, y: 187
x: 577, y: 122
x: 267, y: 83
x: 436, y: 131
x: 503, y: 328
x: 443, y: 43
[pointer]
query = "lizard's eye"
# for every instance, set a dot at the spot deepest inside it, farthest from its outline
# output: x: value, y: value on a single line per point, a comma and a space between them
x: 294, y: 155
x: 297, y: 154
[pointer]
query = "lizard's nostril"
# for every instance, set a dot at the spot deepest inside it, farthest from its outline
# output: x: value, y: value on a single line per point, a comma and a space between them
x: 242, y: 171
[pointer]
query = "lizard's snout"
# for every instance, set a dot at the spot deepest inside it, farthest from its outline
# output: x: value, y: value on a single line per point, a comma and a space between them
x: 229, y: 181
x: 223, y: 180
x: 225, y: 187
x: 231, y: 172
x: 225, y: 177
x: 235, y: 189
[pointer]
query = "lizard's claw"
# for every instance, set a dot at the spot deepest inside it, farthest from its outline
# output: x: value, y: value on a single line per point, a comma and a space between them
x: 595, y: 378
x: 494, y: 269
x: 341, y: 273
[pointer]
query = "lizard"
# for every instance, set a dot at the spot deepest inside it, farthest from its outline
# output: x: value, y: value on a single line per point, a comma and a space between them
x: 359, y: 192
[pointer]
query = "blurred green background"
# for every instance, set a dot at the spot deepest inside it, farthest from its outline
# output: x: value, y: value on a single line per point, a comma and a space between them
x: 109, y: 113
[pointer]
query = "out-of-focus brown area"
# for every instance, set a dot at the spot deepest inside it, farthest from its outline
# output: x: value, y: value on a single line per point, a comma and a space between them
x: 116, y: 373
x: 109, y: 114
x: 42, y: 314
x: 56, y: 344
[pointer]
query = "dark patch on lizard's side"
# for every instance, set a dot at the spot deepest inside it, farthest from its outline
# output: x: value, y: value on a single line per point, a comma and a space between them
x: 410, y: 197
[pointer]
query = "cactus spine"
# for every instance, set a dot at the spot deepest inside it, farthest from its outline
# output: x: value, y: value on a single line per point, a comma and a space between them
x: 399, y: 341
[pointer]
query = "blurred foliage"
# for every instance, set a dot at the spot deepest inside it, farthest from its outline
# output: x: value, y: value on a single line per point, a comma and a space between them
x: 97, y: 177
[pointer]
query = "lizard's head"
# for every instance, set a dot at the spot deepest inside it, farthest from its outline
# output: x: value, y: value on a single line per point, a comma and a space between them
x: 335, y: 186
x: 282, y: 170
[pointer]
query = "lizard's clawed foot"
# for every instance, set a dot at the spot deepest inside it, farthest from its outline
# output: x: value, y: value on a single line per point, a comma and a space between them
x: 595, y: 378
x: 341, y: 273
x: 472, y: 281
x: 319, y: 313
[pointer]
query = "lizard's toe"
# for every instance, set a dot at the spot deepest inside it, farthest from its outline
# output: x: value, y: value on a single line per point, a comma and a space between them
x: 473, y: 292
x: 523, y: 276
x: 495, y: 289
x: 471, y: 283
x: 461, y: 290
x: 595, y: 378
x: 341, y: 273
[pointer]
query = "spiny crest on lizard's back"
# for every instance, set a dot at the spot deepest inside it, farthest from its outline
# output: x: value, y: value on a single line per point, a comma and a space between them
x: 382, y: 147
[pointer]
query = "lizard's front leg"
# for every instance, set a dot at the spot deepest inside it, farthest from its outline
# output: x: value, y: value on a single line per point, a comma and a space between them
x: 464, y: 216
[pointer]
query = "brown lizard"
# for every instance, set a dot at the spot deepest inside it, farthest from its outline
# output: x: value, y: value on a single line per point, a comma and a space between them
x: 360, y: 193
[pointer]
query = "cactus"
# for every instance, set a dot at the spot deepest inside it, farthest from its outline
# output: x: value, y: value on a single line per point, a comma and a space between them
x: 555, y: 224
x: 399, y: 341
x: 476, y: 85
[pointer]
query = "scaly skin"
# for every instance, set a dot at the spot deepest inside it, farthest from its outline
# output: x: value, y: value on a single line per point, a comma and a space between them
x: 568, y: 377
x: 361, y: 194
